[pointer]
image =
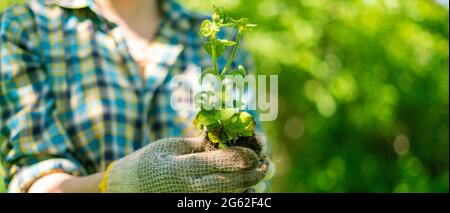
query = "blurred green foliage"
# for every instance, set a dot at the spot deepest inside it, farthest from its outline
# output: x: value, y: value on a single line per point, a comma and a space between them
x: 363, y: 91
x: 2, y: 184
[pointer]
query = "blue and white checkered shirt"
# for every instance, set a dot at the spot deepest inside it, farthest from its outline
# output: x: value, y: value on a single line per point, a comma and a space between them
x: 72, y: 98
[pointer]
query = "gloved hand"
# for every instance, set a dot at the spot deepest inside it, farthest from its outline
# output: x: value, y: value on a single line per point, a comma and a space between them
x: 185, y: 165
x: 260, y: 144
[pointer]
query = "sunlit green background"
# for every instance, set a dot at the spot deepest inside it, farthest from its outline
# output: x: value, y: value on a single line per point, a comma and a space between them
x: 363, y: 91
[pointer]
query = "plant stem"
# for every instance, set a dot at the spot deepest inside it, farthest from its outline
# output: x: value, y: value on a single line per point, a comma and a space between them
x: 233, y: 54
x: 213, y: 52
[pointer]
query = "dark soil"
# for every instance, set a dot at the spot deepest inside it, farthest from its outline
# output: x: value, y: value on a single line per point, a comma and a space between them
x: 247, y: 142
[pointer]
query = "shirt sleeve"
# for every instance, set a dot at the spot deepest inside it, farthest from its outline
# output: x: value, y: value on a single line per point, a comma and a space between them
x: 34, y: 142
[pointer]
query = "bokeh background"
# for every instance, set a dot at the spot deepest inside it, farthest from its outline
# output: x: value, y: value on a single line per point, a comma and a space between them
x: 363, y: 91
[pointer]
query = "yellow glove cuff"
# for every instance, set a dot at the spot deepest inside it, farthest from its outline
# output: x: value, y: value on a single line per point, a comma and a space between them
x: 104, y: 183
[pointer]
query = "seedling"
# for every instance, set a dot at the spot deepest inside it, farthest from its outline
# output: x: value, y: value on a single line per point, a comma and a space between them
x: 224, y: 125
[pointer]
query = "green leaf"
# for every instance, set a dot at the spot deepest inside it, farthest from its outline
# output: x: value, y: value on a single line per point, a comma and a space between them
x: 244, y: 24
x: 240, y: 71
x: 230, y: 132
x: 219, y: 15
x: 245, y: 118
x: 234, y: 118
x: 226, y: 42
x: 232, y: 123
x: 215, y: 138
x: 198, y: 125
x: 225, y: 114
x: 248, y: 124
x: 202, y: 99
x: 205, y: 28
x: 206, y: 117
x: 214, y: 127
x: 206, y: 72
x: 243, y: 21
x: 208, y: 47
x: 222, y: 146
x: 247, y: 133
x: 241, y: 123
x: 208, y: 28
x: 250, y: 26
x: 220, y: 48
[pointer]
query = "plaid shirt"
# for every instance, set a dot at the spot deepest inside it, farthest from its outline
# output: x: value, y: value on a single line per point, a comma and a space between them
x: 72, y: 98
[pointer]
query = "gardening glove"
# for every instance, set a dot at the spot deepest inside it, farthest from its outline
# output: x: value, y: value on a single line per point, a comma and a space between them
x: 184, y: 165
x: 261, y: 147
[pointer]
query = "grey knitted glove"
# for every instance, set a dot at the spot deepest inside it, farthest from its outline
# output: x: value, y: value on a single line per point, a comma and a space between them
x: 185, y: 165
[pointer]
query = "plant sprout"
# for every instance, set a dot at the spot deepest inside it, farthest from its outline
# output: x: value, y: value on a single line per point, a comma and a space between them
x: 224, y: 126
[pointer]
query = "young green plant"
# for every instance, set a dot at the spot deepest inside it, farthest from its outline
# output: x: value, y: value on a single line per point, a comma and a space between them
x: 225, y: 126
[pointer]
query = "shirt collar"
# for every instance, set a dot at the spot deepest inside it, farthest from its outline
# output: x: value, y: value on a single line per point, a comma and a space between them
x: 176, y: 20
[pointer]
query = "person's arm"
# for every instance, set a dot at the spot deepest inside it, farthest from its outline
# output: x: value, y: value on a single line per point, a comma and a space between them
x: 35, y: 143
x: 181, y: 165
x: 65, y: 183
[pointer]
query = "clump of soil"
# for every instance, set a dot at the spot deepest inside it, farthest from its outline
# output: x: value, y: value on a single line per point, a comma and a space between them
x: 247, y: 142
